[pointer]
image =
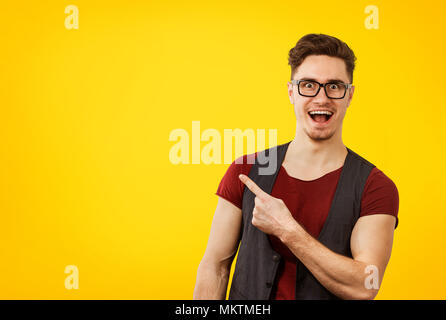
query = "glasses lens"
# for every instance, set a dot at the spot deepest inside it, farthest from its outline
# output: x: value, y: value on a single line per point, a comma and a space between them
x: 308, y: 88
x: 335, y: 90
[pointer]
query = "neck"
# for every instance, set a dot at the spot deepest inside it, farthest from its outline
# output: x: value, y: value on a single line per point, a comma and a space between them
x: 308, y: 152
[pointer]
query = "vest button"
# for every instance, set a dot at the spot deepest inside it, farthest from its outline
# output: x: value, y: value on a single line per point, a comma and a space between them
x: 269, y: 284
x: 276, y: 258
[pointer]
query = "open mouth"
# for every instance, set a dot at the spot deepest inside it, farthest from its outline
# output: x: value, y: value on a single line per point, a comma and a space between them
x: 320, y: 116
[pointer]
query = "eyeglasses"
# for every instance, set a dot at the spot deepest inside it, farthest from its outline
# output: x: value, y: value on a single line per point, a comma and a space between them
x: 310, y: 88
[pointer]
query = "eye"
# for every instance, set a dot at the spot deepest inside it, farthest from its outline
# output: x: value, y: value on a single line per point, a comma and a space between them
x: 308, y: 85
x: 333, y: 86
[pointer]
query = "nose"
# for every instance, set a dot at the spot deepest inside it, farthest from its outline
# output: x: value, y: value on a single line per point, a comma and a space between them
x: 321, y: 97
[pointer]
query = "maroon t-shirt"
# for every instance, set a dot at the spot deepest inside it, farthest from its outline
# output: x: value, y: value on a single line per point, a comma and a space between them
x: 309, y: 202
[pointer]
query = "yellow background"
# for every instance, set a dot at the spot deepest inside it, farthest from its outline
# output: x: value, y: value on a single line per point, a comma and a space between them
x: 85, y: 176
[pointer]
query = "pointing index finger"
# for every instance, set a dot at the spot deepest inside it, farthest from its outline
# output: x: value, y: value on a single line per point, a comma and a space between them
x: 253, y: 186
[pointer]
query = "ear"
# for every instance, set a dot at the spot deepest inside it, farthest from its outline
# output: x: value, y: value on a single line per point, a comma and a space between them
x: 290, y: 92
x: 350, y: 96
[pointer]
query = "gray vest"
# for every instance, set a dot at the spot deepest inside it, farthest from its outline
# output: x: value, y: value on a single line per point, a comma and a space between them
x: 257, y: 262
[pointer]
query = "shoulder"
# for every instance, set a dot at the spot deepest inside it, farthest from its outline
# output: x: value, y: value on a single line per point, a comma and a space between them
x: 378, y: 180
x: 230, y: 187
x: 242, y: 164
x: 380, y: 195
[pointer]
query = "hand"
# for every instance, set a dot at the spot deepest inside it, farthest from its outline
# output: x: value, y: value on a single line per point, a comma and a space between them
x: 270, y: 214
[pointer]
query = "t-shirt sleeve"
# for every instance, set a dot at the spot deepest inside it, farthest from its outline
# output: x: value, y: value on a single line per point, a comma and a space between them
x: 380, y: 195
x: 230, y: 187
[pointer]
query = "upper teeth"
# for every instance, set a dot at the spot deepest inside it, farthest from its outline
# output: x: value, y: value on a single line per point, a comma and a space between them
x: 321, y: 112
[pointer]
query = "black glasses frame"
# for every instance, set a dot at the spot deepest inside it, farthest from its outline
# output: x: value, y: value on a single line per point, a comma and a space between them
x: 297, y: 82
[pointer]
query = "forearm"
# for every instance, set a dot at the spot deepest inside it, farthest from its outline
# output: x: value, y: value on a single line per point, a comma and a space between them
x: 212, y: 282
x: 341, y: 275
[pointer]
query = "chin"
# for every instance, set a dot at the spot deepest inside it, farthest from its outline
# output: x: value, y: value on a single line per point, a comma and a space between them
x: 320, y: 136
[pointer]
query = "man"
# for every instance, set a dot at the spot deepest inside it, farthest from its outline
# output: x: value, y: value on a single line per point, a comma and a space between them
x: 320, y: 227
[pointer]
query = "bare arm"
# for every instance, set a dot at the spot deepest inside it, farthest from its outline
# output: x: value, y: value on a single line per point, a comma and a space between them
x: 213, y: 271
x: 371, y: 245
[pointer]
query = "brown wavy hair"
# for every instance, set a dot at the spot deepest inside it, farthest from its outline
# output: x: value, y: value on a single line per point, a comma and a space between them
x: 321, y: 44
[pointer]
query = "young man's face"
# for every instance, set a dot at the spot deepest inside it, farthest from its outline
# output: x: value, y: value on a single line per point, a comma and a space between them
x: 322, y: 69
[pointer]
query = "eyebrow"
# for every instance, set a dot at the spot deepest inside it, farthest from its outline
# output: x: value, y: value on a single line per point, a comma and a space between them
x: 329, y: 80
